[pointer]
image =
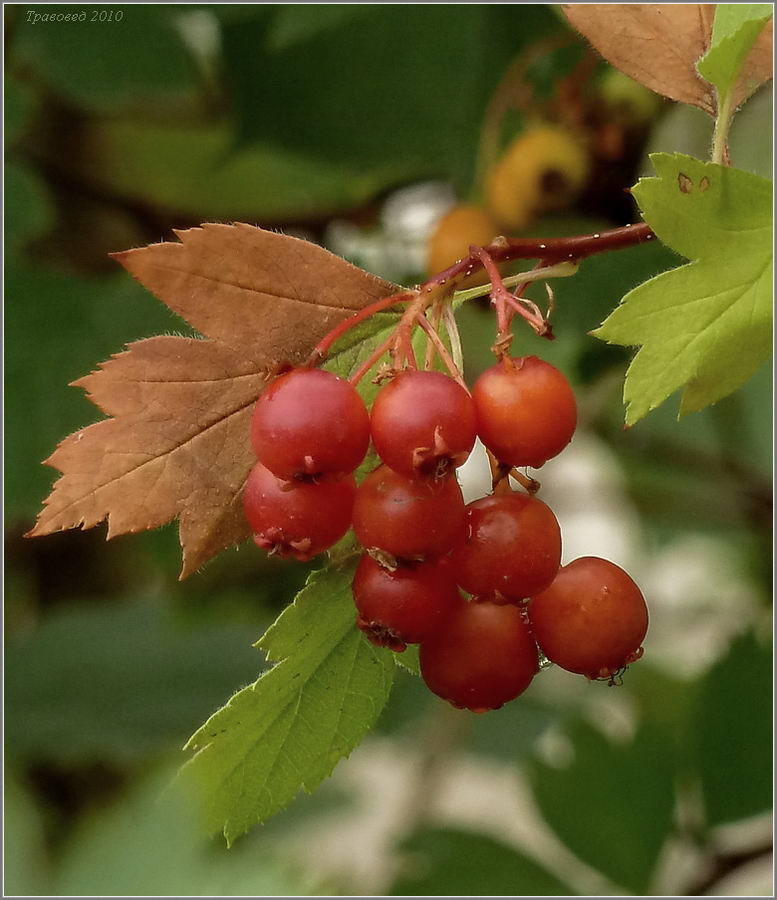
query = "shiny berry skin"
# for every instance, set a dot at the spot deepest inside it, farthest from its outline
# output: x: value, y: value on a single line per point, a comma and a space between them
x: 423, y: 424
x: 482, y: 656
x: 408, y: 518
x: 309, y: 422
x: 403, y: 606
x: 512, y: 545
x: 526, y: 411
x: 591, y: 620
x: 297, y: 518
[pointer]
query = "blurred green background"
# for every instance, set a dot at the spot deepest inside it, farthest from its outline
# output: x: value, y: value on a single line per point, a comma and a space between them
x: 357, y: 126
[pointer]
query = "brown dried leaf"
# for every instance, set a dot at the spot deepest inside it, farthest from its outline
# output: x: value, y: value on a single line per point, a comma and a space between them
x: 254, y: 289
x: 659, y: 44
x: 178, y: 444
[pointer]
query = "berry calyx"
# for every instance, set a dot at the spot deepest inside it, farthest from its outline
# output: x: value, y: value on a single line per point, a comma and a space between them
x: 481, y: 656
x: 591, y: 620
x: 408, y: 518
x: 293, y: 518
x: 404, y: 605
x: 512, y: 546
x: 308, y: 424
x: 526, y: 411
x: 423, y: 424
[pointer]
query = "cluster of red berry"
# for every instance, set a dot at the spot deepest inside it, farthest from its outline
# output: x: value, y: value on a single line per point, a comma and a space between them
x: 311, y: 430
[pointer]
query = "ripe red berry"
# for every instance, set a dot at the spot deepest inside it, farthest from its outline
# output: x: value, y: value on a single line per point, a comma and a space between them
x: 402, y: 606
x: 512, y: 545
x: 526, y: 411
x: 423, y: 424
x: 408, y: 518
x: 591, y: 620
x: 309, y: 422
x: 295, y: 518
x: 481, y: 656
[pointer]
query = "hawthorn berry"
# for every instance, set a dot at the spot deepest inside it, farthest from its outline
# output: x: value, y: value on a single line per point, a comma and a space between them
x: 404, y: 605
x: 544, y: 168
x: 591, y: 620
x: 423, y: 424
x: 511, y: 545
x: 481, y: 656
x: 310, y: 423
x: 409, y: 518
x: 526, y: 411
x: 297, y: 518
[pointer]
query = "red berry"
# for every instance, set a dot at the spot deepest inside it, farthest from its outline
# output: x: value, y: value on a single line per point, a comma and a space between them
x: 408, y: 518
x: 402, y: 606
x: 482, y: 656
x: 296, y: 518
x: 423, y: 424
x: 526, y: 411
x: 309, y: 422
x: 591, y: 620
x: 512, y: 545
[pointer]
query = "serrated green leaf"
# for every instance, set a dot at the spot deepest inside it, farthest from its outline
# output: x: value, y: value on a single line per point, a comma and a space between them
x: 736, y: 27
x: 732, y: 733
x: 613, y: 805
x: 409, y: 660
x: 706, y: 325
x: 289, y: 729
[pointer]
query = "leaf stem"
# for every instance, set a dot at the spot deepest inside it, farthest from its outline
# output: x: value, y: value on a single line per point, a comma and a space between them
x: 722, y: 125
x: 323, y: 347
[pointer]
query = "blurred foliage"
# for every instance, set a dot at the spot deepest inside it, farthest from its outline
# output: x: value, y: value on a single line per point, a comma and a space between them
x: 450, y: 862
x: 290, y: 116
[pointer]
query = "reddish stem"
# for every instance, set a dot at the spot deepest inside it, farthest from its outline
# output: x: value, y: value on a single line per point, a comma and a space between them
x: 551, y: 250
x: 323, y: 347
x: 372, y: 359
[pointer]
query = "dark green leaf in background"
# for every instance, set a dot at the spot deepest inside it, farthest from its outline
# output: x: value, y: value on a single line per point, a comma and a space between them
x: 118, y: 682
x: 733, y: 733
x: 104, y: 64
x: 150, y: 844
x: 452, y: 862
x: 613, y: 805
x: 406, y: 89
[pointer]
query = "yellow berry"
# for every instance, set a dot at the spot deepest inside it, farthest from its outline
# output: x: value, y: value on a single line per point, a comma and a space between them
x: 543, y: 169
x: 463, y: 226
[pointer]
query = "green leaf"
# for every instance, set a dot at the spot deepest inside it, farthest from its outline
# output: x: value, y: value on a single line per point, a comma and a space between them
x: 289, y: 729
x: 24, y: 857
x: 149, y: 844
x: 613, y: 805
x: 29, y: 212
x: 409, y: 660
x: 104, y: 64
x: 117, y: 682
x: 294, y: 23
x: 196, y: 171
x: 732, y: 731
x: 736, y: 27
x: 454, y: 862
x: 706, y: 325
x: 341, y: 94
